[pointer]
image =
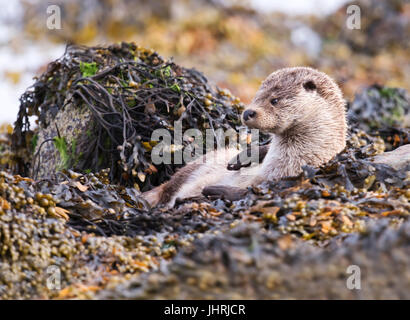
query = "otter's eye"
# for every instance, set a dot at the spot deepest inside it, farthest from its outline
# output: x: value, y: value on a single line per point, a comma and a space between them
x: 274, y: 101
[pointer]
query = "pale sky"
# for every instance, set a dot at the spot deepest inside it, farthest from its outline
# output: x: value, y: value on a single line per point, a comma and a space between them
x: 298, y: 7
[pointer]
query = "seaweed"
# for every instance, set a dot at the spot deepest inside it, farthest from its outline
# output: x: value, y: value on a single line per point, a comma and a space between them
x: 133, y: 93
x: 88, y: 69
x: 61, y: 146
x: 377, y: 107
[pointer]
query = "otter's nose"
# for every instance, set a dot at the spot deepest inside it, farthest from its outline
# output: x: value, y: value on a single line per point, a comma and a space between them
x: 248, y: 114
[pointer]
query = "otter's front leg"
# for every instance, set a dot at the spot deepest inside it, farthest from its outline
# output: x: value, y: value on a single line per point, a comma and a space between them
x: 237, y: 162
x: 225, y: 192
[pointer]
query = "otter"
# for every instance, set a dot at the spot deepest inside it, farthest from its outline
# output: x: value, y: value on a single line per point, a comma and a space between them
x: 304, y: 112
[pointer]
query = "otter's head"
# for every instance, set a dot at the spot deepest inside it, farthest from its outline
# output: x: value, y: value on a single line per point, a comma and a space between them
x: 295, y: 97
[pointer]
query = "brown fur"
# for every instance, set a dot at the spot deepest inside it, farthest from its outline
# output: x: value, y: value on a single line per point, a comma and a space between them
x: 308, y: 127
x: 164, y: 192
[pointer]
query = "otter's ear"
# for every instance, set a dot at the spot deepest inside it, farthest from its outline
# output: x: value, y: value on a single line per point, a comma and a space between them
x: 309, y: 85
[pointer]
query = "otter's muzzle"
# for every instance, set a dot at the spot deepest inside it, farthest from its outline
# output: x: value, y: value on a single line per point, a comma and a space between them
x: 248, y: 114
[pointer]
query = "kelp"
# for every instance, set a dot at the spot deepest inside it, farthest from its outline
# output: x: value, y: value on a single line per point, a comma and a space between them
x: 130, y: 92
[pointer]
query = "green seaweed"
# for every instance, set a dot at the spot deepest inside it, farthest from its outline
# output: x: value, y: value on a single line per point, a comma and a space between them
x: 164, y: 72
x: 61, y: 146
x: 34, y: 142
x: 88, y: 69
x: 175, y: 87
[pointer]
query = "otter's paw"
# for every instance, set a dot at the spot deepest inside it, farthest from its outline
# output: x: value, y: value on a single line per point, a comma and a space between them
x: 244, y: 159
x: 224, y: 192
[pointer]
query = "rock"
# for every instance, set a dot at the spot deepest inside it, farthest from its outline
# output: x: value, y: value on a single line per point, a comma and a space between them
x: 378, y: 107
x: 72, y: 124
x: 398, y: 159
x: 249, y: 264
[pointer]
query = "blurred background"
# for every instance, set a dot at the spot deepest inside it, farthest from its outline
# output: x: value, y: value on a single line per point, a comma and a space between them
x: 236, y: 43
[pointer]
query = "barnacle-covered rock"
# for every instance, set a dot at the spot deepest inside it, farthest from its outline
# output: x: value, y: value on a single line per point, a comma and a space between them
x: 251, y: 263
x: 36, y: 242
x: 6, y: 153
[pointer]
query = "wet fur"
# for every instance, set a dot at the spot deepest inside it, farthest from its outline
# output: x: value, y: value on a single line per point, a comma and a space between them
x: 308, y: 127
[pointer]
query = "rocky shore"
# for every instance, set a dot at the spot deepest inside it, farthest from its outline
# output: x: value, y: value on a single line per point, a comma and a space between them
x: 70, y: 194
